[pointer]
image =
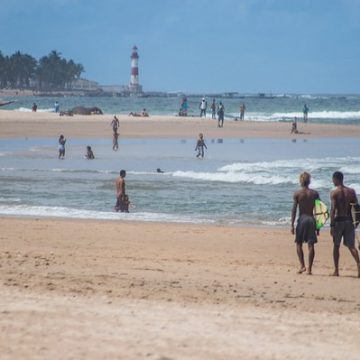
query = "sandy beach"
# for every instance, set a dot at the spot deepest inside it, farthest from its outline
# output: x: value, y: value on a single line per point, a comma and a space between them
x: 14, y: 124
x: 87, y: 289
x: 133, y: 290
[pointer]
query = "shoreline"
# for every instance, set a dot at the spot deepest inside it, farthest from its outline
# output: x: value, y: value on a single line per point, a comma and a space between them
x: 31, y: 125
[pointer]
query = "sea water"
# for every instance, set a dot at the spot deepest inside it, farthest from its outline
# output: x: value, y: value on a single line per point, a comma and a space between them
x: 238, y: 182
x: 323, y: 108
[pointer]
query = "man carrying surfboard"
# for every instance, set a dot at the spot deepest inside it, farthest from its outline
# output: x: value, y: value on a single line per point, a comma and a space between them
x: 306, y: 231
x: 341, y: 222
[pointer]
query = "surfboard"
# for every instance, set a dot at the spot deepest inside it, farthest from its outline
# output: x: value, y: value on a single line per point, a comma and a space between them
x: 355, y: 214
x: 321, y: 214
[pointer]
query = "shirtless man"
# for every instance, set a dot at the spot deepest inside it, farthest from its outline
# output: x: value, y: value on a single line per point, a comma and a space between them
x: 341, y: 224
x: 120, y: 192
x: 306, y: 226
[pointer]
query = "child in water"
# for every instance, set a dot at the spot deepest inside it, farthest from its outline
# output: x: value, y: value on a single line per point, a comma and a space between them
x: 62, y: 142
x: 200, y: 144
x: 89, y: 153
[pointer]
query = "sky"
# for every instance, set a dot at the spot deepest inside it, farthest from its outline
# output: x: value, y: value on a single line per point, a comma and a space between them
x: 197, y: 46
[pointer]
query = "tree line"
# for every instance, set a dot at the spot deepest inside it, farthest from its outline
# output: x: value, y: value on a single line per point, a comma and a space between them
x: 50, y: 72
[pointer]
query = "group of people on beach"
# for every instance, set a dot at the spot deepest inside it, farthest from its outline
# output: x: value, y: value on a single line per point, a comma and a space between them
x: 342, y: 222
x: 216, y: 109
x: 62, y: 141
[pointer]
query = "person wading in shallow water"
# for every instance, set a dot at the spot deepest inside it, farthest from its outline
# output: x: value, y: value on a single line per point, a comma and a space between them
x: 121, y: 200
x: 341, y: 222
x: 306, y: 227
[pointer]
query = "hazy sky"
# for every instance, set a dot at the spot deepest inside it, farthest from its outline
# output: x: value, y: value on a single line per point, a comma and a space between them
x: 301, y: 46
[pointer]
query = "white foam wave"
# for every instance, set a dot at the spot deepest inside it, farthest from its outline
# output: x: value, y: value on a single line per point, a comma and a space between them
x: 339, y: 115
x: 307, y: 163
x: 356, y: 187
x: 353, y: 169
x: 24, y: 109
x: 286, y: 220
x: 66, y: 170
x: 232, y: 177
x: 3, y: 199
x: 7, y: 169
x: 63, y: 212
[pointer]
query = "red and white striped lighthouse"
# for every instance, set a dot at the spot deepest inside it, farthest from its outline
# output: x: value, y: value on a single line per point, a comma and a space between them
x: 134, y: 86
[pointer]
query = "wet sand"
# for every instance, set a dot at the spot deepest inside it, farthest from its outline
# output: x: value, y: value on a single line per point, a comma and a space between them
x: 16, y: 124
x: 89, y: 289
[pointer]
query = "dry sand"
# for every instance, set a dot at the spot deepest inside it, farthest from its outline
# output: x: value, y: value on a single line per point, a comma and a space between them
x: 102, y: 289
x: 15, y: 124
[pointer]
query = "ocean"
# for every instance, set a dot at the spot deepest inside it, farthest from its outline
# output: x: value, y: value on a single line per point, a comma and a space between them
x: 239, y: 182
x: 282, y: 107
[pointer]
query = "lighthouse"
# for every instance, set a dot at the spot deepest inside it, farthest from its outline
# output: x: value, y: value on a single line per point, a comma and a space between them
x: 135, y: 87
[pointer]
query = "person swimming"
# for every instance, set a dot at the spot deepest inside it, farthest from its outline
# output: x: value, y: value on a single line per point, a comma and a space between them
x: 89, y: 153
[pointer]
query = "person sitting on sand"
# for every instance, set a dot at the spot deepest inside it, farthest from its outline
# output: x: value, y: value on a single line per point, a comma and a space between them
x: 144, y: 113
x: 341, y: 222
x: 62, y: 142
x: 89, y: 153
x: 306, y: 225
x: 294, y: 129
x: 200, y: 144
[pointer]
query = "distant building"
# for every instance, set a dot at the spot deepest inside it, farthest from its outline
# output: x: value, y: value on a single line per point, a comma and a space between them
x: 134, y: 86
x: 85, y: 85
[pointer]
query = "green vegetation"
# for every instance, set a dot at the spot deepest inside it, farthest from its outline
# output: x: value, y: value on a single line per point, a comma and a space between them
x: 51, y: 72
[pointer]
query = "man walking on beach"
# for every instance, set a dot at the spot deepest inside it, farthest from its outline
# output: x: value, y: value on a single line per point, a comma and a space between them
x: 341, y: 223
x: 120, y: 192
x: 306, y: 225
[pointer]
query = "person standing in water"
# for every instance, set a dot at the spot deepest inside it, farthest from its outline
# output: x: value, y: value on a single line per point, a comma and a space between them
x: 56, y: 107
x: 200, y: 144
x: 221, y: 113
x: 306, y: 227
x: 341, y: 222
x: 89, y: 153
x: 242, y: 111
x: 213, y: 109
x: 62, y: 142
x: 305, y: 112
x: 120, y: 192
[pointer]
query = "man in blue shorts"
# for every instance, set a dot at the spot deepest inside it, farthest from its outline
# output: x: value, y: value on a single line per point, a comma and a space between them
x: 306, y: 226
